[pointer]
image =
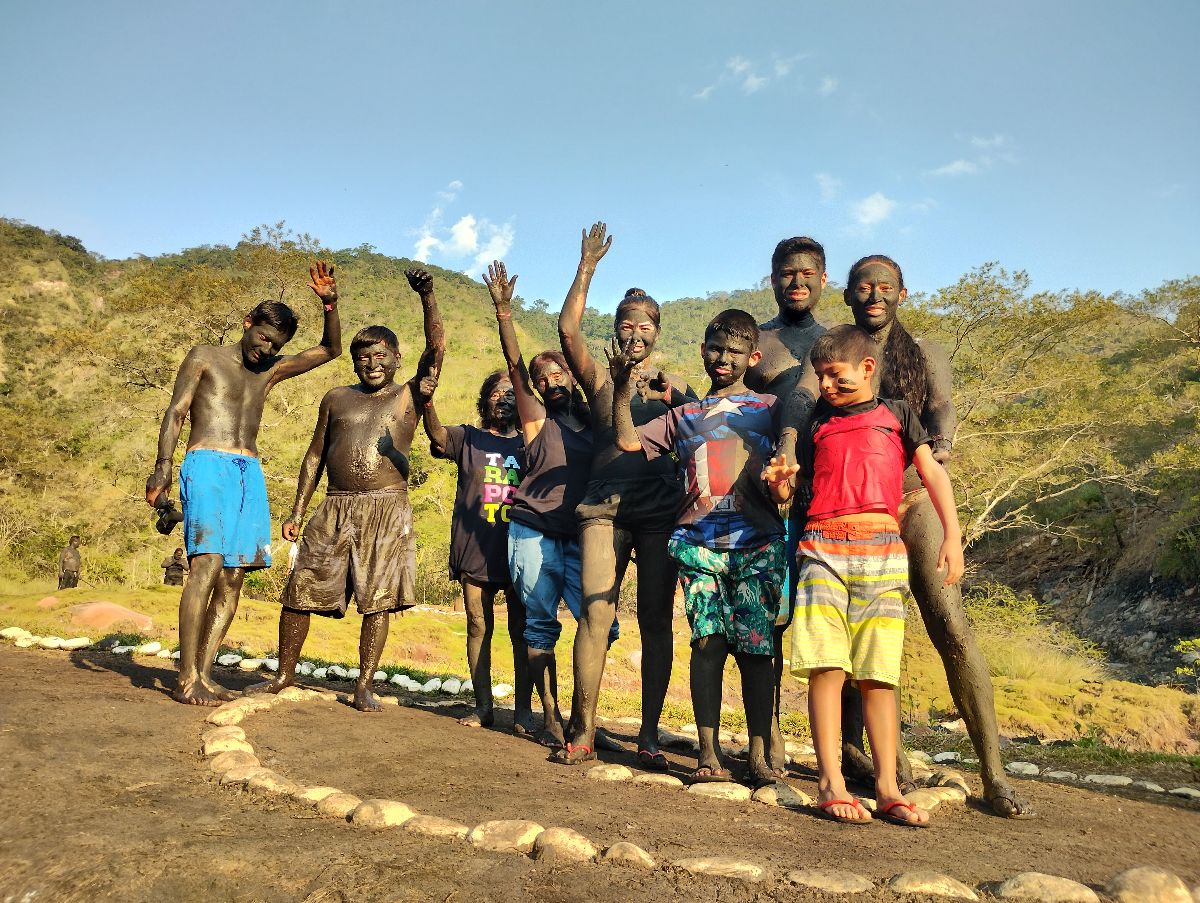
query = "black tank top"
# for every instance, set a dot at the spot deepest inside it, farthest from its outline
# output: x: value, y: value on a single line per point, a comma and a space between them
x: 557, y: 465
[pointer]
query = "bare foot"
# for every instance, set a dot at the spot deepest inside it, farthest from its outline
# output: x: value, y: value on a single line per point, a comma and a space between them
x: 900, y: 811
x: 478, y: 718
x: 365, y: 701
x: 270, y: 686
x: 222, y: 693
x: 195, y: 694
x: 523, y: 724
x: 606, y: 741
x: 760, y: 774
x: 551, y: 734
x: 1004, y: 801
x: 776, y: 753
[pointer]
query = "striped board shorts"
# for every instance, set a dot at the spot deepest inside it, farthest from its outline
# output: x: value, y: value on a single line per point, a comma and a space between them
x: 850, y: 599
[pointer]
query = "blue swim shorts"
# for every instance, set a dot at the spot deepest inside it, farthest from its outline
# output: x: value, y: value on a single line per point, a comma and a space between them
x: 225, y: 509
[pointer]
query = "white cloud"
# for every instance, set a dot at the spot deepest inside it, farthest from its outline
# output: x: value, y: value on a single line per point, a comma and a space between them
x: 704, y: 93
x: 989, y: 143
x: 469, y: 237
x: 750, y: 76
x: 754, y: 83
x: 873, y: 210
x: 828, y: 86
x: 828, y: 186
x: 738, y: 65
x: 956, y: 168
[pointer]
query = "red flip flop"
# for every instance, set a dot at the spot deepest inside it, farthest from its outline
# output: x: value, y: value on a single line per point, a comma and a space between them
x: 887, y: 815
x: 822, y: 810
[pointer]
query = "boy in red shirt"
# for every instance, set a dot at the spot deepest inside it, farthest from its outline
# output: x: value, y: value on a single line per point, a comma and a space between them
x: 853, y: 565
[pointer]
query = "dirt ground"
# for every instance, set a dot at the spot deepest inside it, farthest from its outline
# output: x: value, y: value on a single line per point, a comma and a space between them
x: 106, y: 797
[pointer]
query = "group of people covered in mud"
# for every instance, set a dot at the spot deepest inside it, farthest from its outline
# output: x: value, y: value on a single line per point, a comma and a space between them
x: 579, y: 466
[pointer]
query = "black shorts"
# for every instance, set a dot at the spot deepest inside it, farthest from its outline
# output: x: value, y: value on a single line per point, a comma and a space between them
x: 647, y: 505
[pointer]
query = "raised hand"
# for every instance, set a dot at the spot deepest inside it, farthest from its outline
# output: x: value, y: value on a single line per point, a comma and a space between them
x: 594, y: 245
x: 323, y: 283
x: 778, y: 476
x: 499, y: 286
x: 620, y: 365
x: 420, y: 280
x: 428, y: 385
x: 656, y: 388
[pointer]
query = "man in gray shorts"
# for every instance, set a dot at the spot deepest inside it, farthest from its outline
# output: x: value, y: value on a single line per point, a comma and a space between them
x: 360, y: 540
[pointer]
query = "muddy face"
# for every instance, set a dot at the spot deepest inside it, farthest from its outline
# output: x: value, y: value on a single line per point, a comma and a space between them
x: 555, y: 385
x: 636, y: 332
x: 375, y: 365
x: 260, y: 343
x: 500, y: 408
x: 843, y: 383
x: 874, y: 294
x: 726, y: 358
x: 798, y: 281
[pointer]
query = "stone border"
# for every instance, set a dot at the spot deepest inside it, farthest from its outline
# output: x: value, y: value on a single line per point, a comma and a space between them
x: 231, y: 757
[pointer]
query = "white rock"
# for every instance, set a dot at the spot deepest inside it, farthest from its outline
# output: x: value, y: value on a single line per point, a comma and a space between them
x: 834, y: 881
x: 271, y: 664
x: 314, y: 795
x: 958, y: 727
x: 468, y: 686
x: 1149, y: 785
x: 249, y: 664
x: 352, y: 673
x: 658, y: 779
x: 563, y: 845
x: 1060, y: 775
x: 51, y: 642
x: 234, y: 758
x: 505, y: 836
x: 175, y: 655
x: 933, y: 884
x: 1187, y: 793
x: 229, y: 658
x: 629, y: 854
x: 24, y: 642
x: 1046, y: 888
x: 1148, y: 885
x: 721, y: 791
x: 268, y: 781
x: 241, y: 774
x: 216, y: 733
x: 501, y: 691
x: 305, y: 668
x: 379, y: 675
x: 432, y: 826
x: 609, y: 773
x: 14, y: 633
x: 452, y: 686
x: 165, y: 653
x: 227, y: 744
x: 942, y: 757
x: 381, y: 814
x: 432, y: 685
x: 337, y: 671
x: 1027, y: 769
x: 151, y: 648
x: 320, y: 673
x: 338, y: 805
x: 919, y: 755
x: 781, y: 794
x: 1108, y: 780
x: 117, y: 650
x: 722, y: 866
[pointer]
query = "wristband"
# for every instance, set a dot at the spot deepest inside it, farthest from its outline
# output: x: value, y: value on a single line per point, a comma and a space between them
x: 934, y: 440
x: 503, y: 314
x: 329, y: 308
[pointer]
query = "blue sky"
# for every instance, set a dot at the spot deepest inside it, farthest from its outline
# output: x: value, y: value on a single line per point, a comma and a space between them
x: 1060, y: 138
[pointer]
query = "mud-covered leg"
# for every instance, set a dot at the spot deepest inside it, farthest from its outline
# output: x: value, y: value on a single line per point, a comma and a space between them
x: 293, y: 631
x: 220, y: 614
x: 481, y: 621
x: 757, y: 674
x: 966, y: 670
x: 523, y: 689
x: 856, y: 763
x: 193, y: 616
x: 656, y: 579
x: 707, y: 677
x: 543, y: 675
x: 370, y: 650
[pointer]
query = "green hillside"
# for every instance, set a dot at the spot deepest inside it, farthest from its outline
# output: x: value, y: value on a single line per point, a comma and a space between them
x: 1076, y: 452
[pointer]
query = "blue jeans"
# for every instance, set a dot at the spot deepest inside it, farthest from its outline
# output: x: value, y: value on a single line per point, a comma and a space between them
x: 545, y: 569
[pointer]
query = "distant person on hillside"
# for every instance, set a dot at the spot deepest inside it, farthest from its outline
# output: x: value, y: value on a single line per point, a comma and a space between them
x: 227, y: 525
x: 175, y: 569
x: 918, y: 370
x: 490, y: 459
x: 797, y: 278
x: 69, y: 564
x: 629, y: 509
x: 543, y: 545
x: 360, y: 540
x: 853, y: 568
x: 728, y: 538
x: 293, y: 553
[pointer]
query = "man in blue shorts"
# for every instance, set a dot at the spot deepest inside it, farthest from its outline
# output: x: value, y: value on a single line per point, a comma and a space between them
x: 227, y: 525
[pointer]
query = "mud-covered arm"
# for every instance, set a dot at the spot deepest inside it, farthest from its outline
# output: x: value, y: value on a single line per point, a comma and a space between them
x: 438, y: 435
x: 187, y: 380
x: 430, y: 362
x: 941, y: 493
x: 939, y: 417
x: 620, y: 370
x: 797, y: 411
x: 570, y: 321
x: 529, y: 409
x: 311, y: 467
x: 325, y: 287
